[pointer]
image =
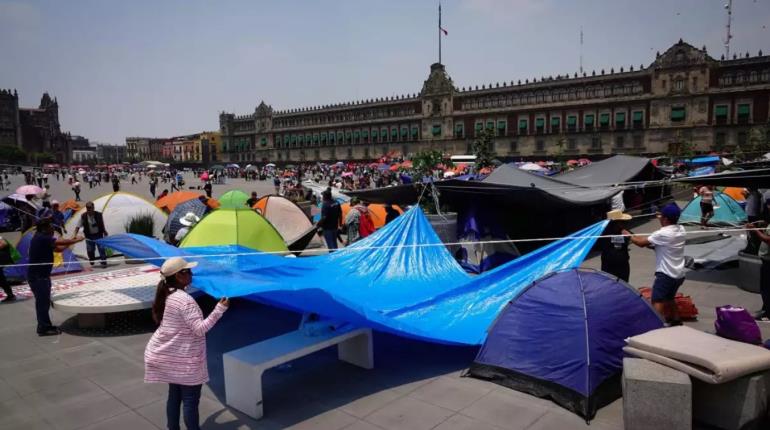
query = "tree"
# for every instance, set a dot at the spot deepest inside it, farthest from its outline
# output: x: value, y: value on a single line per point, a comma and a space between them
x: 424, y: 163
x: 482, y: 148
x: 758, y: 140
x: 12, y: 154
x: 680, y: 147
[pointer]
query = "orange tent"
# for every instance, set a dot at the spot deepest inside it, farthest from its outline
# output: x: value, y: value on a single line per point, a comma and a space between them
x: 735, y: 192
x: 169, y: 202
x: 69, y: 204
x: 377, y: 212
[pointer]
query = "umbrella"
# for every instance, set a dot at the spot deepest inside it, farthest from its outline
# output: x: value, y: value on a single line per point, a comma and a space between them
x: 531, y: 167
x: 29, y: 189
x: 152, y: 166
x: 449, y: 174
x: 217, y: 167
x: 584, y: 161
x: 394, y: 167
x: 346, y: 174
x: 572, y: 162
x: 251, y: 168
x: 269, y: 165
x: 205, y: 176
x: 339, y: 163
x: 233, y: 166
x: 149, y: 162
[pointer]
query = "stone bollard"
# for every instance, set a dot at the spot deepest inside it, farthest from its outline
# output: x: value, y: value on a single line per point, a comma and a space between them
x: 738, y: 404
x: 655, y: 397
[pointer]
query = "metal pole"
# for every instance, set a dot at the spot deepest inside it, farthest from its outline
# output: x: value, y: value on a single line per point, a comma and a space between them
x: 439, y: 33
x: 729, y: 7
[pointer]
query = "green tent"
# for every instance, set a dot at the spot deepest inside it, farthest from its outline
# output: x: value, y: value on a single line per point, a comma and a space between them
x: 234, y: 199
x: 243, y: 227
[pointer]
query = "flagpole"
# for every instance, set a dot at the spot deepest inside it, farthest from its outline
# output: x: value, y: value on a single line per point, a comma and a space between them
x: 439, y: 32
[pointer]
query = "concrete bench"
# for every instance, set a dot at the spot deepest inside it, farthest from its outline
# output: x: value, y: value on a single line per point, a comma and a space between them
x: 243, y: 368
x: 738, y: 404
x: 655, y: 397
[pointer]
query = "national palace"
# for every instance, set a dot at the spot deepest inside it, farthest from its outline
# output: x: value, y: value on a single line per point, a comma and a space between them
x: 685, y: 97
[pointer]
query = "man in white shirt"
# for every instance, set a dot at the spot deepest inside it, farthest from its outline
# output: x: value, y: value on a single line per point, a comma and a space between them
x: 669, y: 261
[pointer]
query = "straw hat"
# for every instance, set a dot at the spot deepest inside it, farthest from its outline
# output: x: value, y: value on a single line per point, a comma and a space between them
x: 189, y: 219
x: 617, y: 215
x: 174, y: 265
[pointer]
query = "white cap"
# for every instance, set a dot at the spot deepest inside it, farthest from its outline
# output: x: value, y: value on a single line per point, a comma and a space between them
x: 174, y: 265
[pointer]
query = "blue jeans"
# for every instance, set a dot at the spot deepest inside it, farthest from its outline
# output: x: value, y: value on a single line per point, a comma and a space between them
x: 90, y: 245
x: 41, y: 289
x: 188, y: 397
x: 330, y: 236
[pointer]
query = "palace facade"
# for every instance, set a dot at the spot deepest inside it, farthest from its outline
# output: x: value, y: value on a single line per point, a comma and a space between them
x: 684, y: 98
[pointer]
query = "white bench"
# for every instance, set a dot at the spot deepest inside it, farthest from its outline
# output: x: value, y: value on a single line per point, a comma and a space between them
x: 243, y: 368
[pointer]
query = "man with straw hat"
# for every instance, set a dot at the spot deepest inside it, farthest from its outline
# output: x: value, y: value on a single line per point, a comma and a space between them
x: 188, y: 221
x: 615, y: 258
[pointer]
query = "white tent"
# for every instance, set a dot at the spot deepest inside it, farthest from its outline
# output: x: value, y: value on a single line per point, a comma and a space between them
x: 288, y: 218
x: 117, y: 210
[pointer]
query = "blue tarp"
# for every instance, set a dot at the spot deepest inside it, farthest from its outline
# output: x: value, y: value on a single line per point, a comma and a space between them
x: 563, y: 337
x: 727, y: 212
x: 705, y: 160
x: 401, y: 279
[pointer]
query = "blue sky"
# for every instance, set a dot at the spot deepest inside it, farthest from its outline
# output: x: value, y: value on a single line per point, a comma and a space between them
x: 164, y: 68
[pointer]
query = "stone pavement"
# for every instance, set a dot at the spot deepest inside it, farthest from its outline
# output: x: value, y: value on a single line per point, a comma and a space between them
x: 92, y: 379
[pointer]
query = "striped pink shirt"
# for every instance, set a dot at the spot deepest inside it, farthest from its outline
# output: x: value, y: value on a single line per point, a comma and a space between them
x: 176, y: 352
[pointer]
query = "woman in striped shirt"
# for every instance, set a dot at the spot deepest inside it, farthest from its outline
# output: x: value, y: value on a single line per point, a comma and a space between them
x: 176, y: 352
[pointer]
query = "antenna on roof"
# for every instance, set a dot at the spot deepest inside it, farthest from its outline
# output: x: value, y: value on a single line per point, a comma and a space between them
x: 729, y: 35
x: 581, y: 49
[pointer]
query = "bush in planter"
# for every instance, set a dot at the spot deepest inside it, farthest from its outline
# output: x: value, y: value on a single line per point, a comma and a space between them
x: 141, y: 224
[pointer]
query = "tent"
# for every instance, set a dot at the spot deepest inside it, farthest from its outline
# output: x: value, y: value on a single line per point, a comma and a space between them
x: 63, y: 262
x: 377, y: 212
x: 736, y: 193
x: 9, y: 219
x: 118, y: 209
x: 482, y: 242
x: 288, y: 218
x: 756, y: 178
x: 169, y: 202
x: 173, y: 225
x: 243, y: 227
x: 562, y: 338
x: 727, y: 212
x: 233, y: 199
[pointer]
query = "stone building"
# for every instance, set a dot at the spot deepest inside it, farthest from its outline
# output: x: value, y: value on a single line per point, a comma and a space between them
x: 198, y: 148
x: 684, y: 99
x: 110, y: 154
x: 33, y: 130
x: 144, y: 148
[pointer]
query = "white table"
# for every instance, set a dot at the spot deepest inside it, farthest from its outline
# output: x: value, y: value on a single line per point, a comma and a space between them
x: 93, y: 295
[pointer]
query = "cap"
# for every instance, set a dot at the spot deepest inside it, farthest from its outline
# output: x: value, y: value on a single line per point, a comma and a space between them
x: 671, y: 211
x: 174, y: 265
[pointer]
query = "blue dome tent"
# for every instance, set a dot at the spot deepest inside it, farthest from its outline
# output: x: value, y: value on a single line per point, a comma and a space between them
x: 727, y: 212
x: 562, y: 338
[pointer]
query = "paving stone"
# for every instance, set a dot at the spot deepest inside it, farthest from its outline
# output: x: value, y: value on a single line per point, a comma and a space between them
x: 7, y: 392
x: 365, y: 405
x: 74, y: 415
x: 462, y: 422
x: 137, y: 394
x: 79, y: 390
x: 409, y: 413
x: 505, y: 411
x: 362, y: 425
x: 85, y: 352
x: 330, y: 420
x: 126, y: 421
x: 448, y: 393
